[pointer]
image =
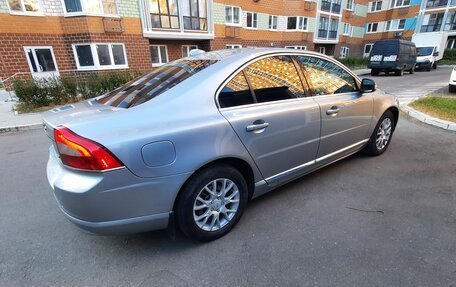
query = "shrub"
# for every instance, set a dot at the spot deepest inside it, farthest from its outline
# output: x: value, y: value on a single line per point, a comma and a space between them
x: 70, y: 87
x: 29, y: 92
x: 354, y: 62
x: 449, y: 54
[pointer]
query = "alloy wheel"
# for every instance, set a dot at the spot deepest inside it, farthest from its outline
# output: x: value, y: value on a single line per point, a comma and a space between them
x: 383, y: 134
x: 216, y: 204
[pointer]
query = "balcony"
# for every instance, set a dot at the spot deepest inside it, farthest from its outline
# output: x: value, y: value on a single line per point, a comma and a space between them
x: 335, y: 8
x: 332, y: 35
x: 430, y: 28
x: 436, y: 3
x: 322, y: 33
x: 326, y: 6
x: 179, y: 22
x: 327, y: 35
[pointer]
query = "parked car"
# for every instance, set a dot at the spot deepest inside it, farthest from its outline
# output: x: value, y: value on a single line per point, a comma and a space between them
x: 191, y: 143
x: 452, y: 84
x: 393, y: 55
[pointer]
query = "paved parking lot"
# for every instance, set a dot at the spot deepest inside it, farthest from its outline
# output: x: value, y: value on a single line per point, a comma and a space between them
x: 385, y: 221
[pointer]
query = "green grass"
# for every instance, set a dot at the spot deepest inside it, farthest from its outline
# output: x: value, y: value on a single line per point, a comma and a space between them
x: 440, y: 107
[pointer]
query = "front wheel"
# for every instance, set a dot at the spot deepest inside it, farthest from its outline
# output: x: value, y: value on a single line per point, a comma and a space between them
x: 211, y: 203
x: 412, y: 70
x: 381, y: 137
x: 399, y: 73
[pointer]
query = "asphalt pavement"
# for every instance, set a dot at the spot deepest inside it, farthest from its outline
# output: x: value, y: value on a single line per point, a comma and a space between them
x: 383, y: 221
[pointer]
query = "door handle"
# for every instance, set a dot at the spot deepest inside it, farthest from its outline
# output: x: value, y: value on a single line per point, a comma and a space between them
x: 256, y: 127
x: 332, y: 111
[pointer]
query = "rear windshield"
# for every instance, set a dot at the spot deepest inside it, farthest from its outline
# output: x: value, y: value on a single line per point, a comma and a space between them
x: 388, y: 48
x: 153, y: 84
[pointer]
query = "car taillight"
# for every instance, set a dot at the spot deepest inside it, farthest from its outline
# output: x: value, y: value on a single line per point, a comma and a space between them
x: 78, y: 152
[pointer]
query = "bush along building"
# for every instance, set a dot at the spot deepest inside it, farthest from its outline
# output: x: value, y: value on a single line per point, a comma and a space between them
x: 43, y: 38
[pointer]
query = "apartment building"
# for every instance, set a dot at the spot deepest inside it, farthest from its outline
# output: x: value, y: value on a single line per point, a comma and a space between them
x: 55, y: 37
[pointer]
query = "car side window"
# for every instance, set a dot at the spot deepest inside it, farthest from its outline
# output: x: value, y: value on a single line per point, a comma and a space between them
x: 236, y: 92
x: 326, y: 77
x: 274, y: 78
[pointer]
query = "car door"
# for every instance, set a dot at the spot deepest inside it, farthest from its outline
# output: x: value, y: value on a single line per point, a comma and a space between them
x: 346, y: 114
x: 266, y: 106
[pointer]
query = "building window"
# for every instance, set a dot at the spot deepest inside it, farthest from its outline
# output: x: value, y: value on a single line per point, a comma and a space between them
x: 24, y: 6
x: 376, y: 6
x: 194, y: 14
x: 159, y: 55
x: 350, y: 5
x: 347, y: 29
x: 304, y: 48
x: 297, y: 23
x: 41, y: 60
x: 232, y: 15
x: 187, y: 48
x: 344, y: 52
x: 450, y: 24
x: 105, y: 7
x: 322, y: 50
x: 451, y: 44
x: 372, y: 27
x: 233, y: 46
x: 100, y: 56
x: 273, y: 22
x: 164, y: 14
x: 252, y: 20
x: 395, y: 25
x: 399, y: 3
x: 367, y: 50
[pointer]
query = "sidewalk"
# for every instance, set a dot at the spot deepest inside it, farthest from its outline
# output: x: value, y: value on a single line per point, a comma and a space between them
x: 10, y: 122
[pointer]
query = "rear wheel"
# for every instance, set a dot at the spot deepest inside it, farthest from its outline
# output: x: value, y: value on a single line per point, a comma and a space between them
x: 452, y: 88
x: 211, y: 203
x: 381, y: 137
x: 374, y: 72
x: 412, y: 70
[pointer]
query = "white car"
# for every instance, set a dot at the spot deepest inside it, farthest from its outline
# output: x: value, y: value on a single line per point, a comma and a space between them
x: 452, y: 84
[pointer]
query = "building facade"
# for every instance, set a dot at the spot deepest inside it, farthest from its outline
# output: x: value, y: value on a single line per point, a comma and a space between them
x: 55, y: 37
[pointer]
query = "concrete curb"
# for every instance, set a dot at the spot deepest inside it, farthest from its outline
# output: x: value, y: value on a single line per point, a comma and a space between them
x: 422, y: 117
x: 12, y: 129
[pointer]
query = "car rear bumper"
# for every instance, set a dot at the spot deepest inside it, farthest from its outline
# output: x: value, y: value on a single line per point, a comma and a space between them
x: 113, y: 202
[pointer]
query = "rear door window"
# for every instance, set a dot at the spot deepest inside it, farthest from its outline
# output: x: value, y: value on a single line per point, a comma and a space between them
x: 274, y: 79
x: 236, y: 92
x: 155, y: 83
x: 326, y: 77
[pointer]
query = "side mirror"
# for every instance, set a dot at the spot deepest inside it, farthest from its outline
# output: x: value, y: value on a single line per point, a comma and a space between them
x: 436, y: 53
x: 367, y: 86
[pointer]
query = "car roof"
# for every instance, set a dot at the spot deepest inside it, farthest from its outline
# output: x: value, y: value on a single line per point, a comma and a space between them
x: 247, y: 53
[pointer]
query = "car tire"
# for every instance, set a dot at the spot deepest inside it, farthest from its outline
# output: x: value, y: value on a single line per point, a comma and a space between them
x: 428, y: 69
x: 201, y: 208
x: 383, y: 132
x: 412, y: 70
x: 452, y: 88
x: 399, y: 73
x: 434, y: 66
x: 374, y: 72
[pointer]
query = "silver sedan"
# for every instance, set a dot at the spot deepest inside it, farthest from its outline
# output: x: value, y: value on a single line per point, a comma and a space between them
x: 189, y: 144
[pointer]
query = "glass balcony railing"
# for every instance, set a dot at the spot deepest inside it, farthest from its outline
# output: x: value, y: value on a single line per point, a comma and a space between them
x: 430, y: 28
x: 326, y: 6
x: 436, y: 3
x: 322, y: 33
x: 335, y: 8
x: 332, y: 35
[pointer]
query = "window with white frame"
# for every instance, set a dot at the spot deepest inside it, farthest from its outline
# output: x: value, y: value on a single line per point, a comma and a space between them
x: 347, y: 29
x: 322, y: 50
x: 350, y: 5
x: 159, y: 55
x: 232, y: 15
x: 399, y: 3
x: 273, y: 20
x: 344, y: 51
x: 304, y: 48
x: 375, y: 6
x: 233, y: 46
x: 367, y: 49
x: 187, y: 48
x: 395, y: 25
x: 297, y: 23
x: 252, y: 20
x: 24, y: 6
x: 100, y: 56
x: 102, y: 7
x: 372, y: 27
